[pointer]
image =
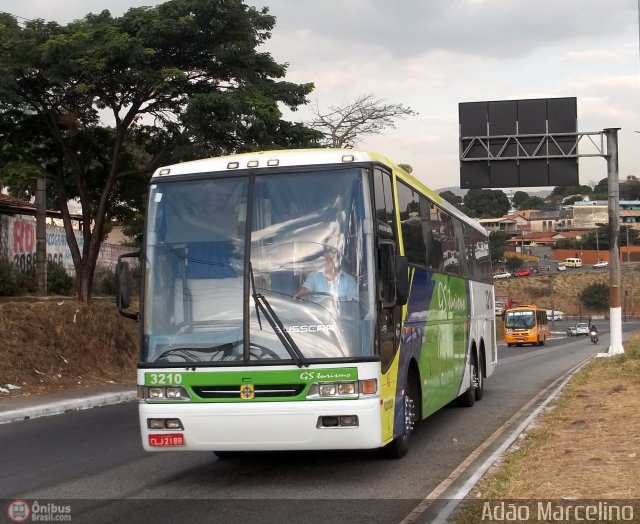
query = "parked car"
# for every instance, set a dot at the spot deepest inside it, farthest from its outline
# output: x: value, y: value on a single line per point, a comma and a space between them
x: 502, y: 274
x: 524, y: 272
x: 602, y: 263
x: 561, y: 266
x: 582, y: 328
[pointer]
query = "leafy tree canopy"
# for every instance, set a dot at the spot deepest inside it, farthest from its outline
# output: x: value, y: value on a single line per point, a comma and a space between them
x: 595, y: 296
x: 100, y: 97
x: 561, y: 191
x: 456, y: 201
x: 533, y: 202
x: 519, y: 197
x: 498, y: 244
x: 487, y: 203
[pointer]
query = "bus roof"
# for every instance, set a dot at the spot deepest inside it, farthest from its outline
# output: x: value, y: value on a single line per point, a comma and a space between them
x: 305, y: 157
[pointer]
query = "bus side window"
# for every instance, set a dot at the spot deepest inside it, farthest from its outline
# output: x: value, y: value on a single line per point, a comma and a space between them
x: 411, y: 222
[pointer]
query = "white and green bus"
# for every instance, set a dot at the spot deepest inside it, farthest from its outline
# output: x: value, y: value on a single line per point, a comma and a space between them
x: 249, y: 341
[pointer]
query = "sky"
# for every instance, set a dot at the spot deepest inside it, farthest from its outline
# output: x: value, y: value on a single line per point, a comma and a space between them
x: 431, y: 55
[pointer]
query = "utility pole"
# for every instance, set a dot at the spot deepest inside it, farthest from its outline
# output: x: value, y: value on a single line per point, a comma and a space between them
x: 615, y: 311
x: 41, y: 235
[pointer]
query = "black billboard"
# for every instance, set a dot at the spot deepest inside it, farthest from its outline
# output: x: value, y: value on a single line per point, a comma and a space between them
x: 518, y: 143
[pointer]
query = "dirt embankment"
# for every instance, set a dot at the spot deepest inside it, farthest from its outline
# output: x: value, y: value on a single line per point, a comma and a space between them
x: 60, y: 344
x: 561, y: 290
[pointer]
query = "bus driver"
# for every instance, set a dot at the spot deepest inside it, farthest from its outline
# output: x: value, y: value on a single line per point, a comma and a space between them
x: 330, y: 281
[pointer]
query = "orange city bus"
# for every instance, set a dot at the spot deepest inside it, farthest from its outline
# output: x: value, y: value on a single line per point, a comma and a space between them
x: 525, y: 325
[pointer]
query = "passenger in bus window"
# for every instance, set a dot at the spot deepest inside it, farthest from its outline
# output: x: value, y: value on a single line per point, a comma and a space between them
x: 331, y: 283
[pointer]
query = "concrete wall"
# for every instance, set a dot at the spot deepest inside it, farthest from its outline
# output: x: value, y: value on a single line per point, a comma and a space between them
x: 18, y: 245
x: 591, y: 256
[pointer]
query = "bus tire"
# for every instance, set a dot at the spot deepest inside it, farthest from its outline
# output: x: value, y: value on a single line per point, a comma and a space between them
x: 468, y: 398
x: 399, y: 446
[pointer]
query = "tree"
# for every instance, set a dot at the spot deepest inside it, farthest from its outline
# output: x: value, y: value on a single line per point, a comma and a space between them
x: 519, y: 197
x: 562, y: 191
x: 595, y: 296
x: 630, y: 189
x: 497, y: 244
x: 514, y: 264
x: 344, y: 126
x: 486, y: 202
x: 602, y: 187
x: 533, y: 202
x: 456, y: 201
x: 179, y: 80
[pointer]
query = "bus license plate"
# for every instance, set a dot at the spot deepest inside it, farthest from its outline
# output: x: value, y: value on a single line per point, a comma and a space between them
x: 166, y: 440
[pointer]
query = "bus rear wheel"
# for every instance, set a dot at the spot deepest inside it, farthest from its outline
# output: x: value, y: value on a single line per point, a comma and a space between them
x: 468, y: 398
x: 480, y: 382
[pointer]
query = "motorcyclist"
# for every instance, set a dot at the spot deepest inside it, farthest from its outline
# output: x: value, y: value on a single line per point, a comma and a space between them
x: 593, y: 328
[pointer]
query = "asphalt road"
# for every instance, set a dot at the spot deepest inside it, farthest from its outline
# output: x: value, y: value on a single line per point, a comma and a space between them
x: 93, y: 460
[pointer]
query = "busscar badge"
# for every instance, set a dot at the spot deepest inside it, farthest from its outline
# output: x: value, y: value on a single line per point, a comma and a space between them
x: 247, y: 392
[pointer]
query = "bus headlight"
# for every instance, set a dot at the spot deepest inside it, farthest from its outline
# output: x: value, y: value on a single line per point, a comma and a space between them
x: 324, y: 390
x: 155, y: 393
x: 327, y: 390
x: 347, y: 388
x: 166, y: 393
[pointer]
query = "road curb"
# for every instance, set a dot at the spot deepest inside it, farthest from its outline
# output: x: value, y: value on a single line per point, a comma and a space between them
x: 62, y: 406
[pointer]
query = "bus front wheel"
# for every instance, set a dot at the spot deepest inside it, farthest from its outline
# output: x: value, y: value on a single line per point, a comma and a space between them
x: 399, y: 446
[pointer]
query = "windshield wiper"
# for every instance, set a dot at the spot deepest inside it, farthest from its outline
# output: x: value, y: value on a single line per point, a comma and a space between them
x: 262, y: 304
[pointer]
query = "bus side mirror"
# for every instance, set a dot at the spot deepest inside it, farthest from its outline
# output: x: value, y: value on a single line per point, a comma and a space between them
x: 123, y: 297
x: 394, y: 276
x: 402, y: 280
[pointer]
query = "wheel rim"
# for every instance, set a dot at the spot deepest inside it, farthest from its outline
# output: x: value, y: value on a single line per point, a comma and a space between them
x: 409, y: 413
x: 475, y: 379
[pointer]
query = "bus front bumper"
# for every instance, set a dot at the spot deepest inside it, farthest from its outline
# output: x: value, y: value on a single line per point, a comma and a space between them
x: 263, y: 426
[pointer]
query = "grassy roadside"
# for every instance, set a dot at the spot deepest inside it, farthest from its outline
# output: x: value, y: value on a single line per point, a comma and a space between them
x: 585, y: 446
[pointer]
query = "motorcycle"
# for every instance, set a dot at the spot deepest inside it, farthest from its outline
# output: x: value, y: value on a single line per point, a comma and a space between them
x: 594, y: 336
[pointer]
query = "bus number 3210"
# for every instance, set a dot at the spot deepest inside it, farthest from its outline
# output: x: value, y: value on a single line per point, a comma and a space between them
x: 164, y: 379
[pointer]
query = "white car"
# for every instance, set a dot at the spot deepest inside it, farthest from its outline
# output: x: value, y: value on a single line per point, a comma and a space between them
x: 582, y: 328
x: 561, y: 266
x: 602, y: 263
x: 504, y: 274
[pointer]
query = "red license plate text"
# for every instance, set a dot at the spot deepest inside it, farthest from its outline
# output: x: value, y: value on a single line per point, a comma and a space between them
x: 166, y: 440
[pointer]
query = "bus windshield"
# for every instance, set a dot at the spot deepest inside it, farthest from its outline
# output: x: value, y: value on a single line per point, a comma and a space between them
x: 304, y: 274
x: 520, y: 319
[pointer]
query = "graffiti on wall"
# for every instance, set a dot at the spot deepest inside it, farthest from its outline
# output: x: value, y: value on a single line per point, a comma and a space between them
x: 18, y: 245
